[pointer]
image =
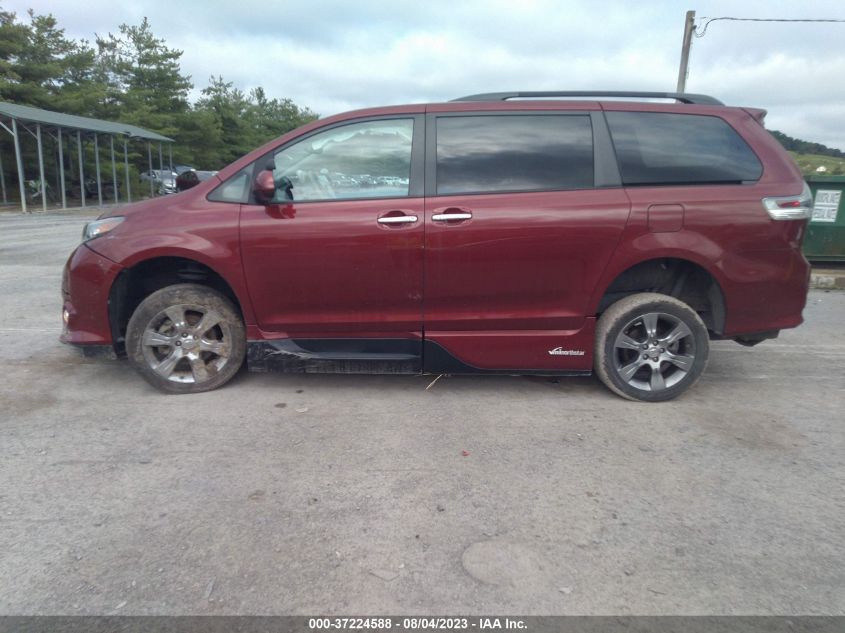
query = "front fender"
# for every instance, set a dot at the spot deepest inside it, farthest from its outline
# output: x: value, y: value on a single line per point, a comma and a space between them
x: 184, y: 225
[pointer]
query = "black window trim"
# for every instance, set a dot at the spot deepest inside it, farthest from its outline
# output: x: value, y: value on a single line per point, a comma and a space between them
x: 417, y: 175
x: 605, y: 168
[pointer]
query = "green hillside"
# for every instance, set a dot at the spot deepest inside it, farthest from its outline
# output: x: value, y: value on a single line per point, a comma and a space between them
x: 810, y: 162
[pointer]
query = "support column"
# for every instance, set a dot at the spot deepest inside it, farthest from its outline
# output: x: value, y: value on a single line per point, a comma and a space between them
x: 57, y: 183
x: 62, y: 168
x: 113, y: 170
x: 81, y: 167
x: 97, y: 167
x: 41, y: 167
x: 20, y: 165
x: 3, y: 178
x: 152, y: 178
x: 126, y: 166
x: 170, y: 154
x: 161, y: 166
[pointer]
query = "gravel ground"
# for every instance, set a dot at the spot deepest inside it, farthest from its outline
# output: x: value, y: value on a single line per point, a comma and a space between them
x: 302, y: 494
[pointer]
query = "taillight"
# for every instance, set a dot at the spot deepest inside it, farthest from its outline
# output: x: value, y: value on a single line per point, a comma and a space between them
x: 791, y: 207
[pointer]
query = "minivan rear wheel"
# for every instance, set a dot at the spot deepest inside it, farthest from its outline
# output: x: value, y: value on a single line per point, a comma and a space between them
x: 650, y: 347
x: 186, y: 338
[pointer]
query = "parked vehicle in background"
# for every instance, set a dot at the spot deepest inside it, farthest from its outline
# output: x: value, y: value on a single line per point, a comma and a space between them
x: 157, y: 174
x: 510, y: 233
x: 178, y: 169
x: 164, y: 180
x: 106, y: 187
x: 191, y: 178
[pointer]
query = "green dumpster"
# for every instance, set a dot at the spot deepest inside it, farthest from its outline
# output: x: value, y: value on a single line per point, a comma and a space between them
x: 825, y: 239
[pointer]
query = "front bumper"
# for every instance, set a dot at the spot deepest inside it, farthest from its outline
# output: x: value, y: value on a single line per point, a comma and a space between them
x: 86, y: 283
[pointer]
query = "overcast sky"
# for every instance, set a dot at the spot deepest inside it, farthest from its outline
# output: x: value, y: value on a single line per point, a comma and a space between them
x: 333, y: 56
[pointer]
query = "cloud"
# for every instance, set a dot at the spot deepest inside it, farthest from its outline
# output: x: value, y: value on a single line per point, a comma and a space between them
x: 333, y: 55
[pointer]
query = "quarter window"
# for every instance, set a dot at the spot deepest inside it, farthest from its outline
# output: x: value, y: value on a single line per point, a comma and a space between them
x: 234, y: 189
x: 656, y: 148
x: 483, y: 154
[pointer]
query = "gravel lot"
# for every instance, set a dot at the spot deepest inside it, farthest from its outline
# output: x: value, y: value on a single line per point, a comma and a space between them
x: 303, y: 494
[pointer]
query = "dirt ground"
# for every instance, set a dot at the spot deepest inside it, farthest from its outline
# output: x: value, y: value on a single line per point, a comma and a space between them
x: 303, y: 494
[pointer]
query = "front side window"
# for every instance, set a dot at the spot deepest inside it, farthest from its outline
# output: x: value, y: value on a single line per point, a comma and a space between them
x: 656, y: 148
x: 494, y: 153
x: 361, y: 160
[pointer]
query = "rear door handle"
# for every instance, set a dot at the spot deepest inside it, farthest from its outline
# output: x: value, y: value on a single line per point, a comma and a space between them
x: 452, y: 213
x: 398, y: 219
x: 445, y: 217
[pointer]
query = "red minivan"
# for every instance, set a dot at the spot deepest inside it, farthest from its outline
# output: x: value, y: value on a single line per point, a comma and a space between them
x: 516, y: 233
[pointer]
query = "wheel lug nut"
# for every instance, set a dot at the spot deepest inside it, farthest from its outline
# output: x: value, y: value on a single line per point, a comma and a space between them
x: 645, y: 356
x: 662, y: 349
x: 184, y: 334
x: 178, y: 344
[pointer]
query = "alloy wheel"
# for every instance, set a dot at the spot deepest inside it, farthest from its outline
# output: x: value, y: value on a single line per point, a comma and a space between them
x: 187, y: 343
x: 654, y: 351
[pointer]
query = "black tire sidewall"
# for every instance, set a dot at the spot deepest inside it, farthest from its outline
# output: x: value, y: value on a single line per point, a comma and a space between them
x: 194, y: 294
x: 676, y: 309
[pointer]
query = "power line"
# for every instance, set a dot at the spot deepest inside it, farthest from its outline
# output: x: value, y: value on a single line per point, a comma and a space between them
x: 709, y: 20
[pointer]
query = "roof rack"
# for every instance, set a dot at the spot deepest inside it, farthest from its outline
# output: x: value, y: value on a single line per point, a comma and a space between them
x: 681, y: 97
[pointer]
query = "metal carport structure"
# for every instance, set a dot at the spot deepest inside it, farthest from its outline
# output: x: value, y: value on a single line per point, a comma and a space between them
x: 14, y: 118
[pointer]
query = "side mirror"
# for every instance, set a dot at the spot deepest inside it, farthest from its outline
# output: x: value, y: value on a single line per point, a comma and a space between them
x: 287, y: 188
x: 264, y: 187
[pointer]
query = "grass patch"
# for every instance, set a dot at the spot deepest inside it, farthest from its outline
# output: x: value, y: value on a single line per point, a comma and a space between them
x: 808, y: 163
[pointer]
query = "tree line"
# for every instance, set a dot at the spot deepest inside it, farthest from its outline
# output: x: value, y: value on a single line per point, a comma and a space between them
x: 806, y: 147
x: 132, y: 76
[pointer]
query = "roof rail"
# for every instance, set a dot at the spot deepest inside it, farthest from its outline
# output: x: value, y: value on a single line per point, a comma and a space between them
x: 681, y: 97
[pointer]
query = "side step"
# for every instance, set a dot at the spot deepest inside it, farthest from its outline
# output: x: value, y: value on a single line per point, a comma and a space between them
x: 336, y: 356
x: 369, y: 356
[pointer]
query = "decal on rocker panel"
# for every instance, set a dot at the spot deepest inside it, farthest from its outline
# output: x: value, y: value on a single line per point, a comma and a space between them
x: 559, y: 351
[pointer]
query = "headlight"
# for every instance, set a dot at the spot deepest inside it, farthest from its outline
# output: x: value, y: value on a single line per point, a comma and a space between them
x: 99, y: 227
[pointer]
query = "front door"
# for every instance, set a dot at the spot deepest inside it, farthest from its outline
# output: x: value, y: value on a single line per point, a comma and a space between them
x: 338, y: 253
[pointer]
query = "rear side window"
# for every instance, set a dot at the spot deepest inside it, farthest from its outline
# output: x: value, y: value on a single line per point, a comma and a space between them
x: 484, y: 154
x: 655, y: 148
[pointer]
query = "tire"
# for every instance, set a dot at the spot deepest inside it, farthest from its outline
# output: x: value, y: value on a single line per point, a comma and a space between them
x: 656, y: 372
x: 186, y: 338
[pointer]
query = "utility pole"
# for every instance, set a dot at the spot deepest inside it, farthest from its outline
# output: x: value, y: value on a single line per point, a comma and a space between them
x: 689, y: 27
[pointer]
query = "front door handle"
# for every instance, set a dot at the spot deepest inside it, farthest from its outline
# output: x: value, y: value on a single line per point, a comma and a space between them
x: 398, y: 219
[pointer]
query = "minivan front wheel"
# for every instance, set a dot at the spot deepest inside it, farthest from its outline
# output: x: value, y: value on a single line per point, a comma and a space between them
x: 650, y: 347
x: 186, y: 338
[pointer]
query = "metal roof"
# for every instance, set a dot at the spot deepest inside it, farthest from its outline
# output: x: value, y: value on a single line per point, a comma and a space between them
x: 71, y: 121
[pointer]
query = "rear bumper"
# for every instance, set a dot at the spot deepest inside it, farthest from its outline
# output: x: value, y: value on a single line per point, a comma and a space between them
x: 86, y: 283
x: 768, y: 291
